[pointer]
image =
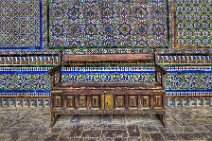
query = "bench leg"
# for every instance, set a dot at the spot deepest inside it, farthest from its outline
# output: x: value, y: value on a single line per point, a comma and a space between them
x: 53, y: 119
x: 162, y: 119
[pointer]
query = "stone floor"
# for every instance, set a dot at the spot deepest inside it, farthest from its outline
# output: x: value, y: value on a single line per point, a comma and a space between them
x: 25, y: 124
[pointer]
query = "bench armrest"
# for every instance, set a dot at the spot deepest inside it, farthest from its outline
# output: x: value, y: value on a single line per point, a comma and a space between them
x: 55, y: 76
x: 54, y: 70
x: 160, y: 69
x: 160, y: 75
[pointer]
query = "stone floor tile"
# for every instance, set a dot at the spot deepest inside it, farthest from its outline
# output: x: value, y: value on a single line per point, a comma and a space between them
x: 56, y: 130
x: 120, y: 139
x: 206, y: 135
x: 156, y: 137
x: 114, y: 133
x: 149, y: 129
x: 42, y: 130
x: 119, y: 119
x: 91, y: 133
x: 172, y: 123
x: 209, y: 127
x: 120, y: 127
x: 90, y: 139
x: 133, y: 119
x: 24, y: 124
x: 5, y: 137
x: 95, y: 119
x: 33, y: 137
x: 167, y: 133
x: 134, y: 139
x: 75, y: 119
x: 145, y: 137
x: 76, y: 139
x: 133, y: 130
x: 106, y: 118
x: 189, y: 136
x: 76, y: 131
x: 201, y: 129
x: 51, y: 137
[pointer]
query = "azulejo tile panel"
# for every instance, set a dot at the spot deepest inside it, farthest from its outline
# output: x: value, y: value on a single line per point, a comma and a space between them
x: 104, y: 23
x: 21, y: 24
x: 192, y: 23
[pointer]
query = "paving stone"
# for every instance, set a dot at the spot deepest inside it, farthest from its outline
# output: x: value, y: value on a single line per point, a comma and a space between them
x: 106, y: 139
x: 121, y: 127
x: 206, y: 135
x: 149, y: 129
x: 5, y: 137
x: 201, y: 129
x: 172, y: 123
x: 145, y: 137
x: 32, y: 137
x: 189, y: 136
x: 76, y: 139
x: 167, y: 133
x: 133, y: 130
x: 119, y: 119
x: 120, y: 139
x: 135, y: 139
x: 114, y: 133
x: 133, y: 119
x: 90, y: 139
x: 107, y: 119
x: 91, y: 133
x: 52, y: 137
x: 42, y: 130
x: 76, y: 131
x: 95, y: 119
x: 156, y: 136
x: 75, y: 119
x: 209, y: 127
x: 56, y: 130
x: 63, y: 138
x: 14, y: 133
x: 183, y: 129
x: 33, y: 124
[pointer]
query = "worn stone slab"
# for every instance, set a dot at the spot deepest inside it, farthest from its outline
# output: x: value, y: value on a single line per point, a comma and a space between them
x: 156, y: 137
x: 189, y: 136
x: 114, y: 133
x: 76, y: 131
x: 133, y: 130
x: 91, y: 133
x: 167, y: 133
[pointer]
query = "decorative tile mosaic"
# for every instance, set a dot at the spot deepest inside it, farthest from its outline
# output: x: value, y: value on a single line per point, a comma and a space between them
x: 188, y: 76
x: 193, y: 23
x: 21, y: 24
x: 104, y: 23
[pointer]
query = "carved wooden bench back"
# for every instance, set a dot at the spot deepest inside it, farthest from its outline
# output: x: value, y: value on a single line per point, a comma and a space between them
x: 67, y: 59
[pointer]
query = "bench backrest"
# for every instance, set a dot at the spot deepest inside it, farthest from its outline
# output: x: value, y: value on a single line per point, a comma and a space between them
x: 67, y: 59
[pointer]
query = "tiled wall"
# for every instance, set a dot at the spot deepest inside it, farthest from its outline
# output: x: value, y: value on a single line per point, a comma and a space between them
x: 188, y: 81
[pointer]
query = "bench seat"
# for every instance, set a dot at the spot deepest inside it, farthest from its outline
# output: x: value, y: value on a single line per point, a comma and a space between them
x: 126, y: 85
x: 107, y: 97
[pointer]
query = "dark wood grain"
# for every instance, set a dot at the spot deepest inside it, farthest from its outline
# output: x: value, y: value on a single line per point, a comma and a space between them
x: 143, y: 93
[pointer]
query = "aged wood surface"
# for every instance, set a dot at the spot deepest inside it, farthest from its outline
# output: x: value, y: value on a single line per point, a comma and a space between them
x: 108, y: 57
x: 107, y: 97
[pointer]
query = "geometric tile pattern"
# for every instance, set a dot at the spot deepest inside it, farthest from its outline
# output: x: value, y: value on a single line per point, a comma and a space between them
x: 45, y: 102
x: 109, y: 77
x: 106, y: 23
x: 189, y: 81
x: 193, y: 23
x: 21, y: 24
x: 24, y: 82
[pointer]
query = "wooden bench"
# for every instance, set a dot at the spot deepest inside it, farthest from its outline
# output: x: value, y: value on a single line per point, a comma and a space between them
x: 93, y: 98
